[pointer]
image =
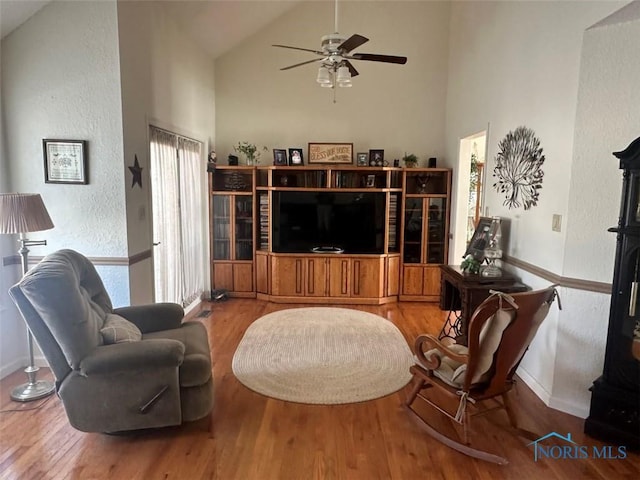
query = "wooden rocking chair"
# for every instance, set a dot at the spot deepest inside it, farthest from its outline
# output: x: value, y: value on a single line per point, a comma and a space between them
x: 500, y: 332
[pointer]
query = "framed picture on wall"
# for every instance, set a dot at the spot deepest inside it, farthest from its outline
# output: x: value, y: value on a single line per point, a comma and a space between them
x: 65, y: 161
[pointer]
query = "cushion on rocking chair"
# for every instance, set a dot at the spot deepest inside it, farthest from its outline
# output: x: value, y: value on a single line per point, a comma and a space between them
x: 453, y: 373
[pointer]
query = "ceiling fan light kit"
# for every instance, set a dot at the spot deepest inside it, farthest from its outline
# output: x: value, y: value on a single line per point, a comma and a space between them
x: 343, y: 77
x: 336, y: 67
x: 324, y: 78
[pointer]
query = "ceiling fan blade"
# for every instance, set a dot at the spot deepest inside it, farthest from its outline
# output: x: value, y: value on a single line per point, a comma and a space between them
x: 352, y: 69
x: 317, y: 52
x: 372, y: 57
x: 303, y: 63
x: 353, y: 42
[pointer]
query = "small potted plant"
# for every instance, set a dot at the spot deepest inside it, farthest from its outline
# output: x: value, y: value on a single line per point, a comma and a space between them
x: 410, y: 160
x: 470, y: 264
x: 250, y: 151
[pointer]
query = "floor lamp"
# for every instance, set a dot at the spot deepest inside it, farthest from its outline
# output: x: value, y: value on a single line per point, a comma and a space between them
x: 22, y: 213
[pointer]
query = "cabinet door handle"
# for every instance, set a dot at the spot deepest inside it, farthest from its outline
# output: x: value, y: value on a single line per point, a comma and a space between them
x: 633, y: 298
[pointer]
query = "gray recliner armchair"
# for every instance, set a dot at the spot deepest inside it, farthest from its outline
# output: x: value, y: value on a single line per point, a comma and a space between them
x: 116, y: 369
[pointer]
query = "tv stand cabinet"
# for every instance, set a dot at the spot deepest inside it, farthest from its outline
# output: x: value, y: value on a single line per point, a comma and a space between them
x: 415, y: 229
x: 328, y: 278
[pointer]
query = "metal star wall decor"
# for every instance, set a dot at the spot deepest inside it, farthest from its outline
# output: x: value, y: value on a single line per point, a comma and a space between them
x: 136, y: 170
x: 518, y: 168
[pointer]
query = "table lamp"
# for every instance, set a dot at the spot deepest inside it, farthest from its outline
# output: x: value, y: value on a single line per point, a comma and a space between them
x: 22, y: 213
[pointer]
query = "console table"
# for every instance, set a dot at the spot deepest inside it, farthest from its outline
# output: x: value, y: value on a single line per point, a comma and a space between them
x: 462, y: 292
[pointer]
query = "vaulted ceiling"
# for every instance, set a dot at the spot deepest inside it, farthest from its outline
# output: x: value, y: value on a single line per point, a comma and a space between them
x: 217, y: 26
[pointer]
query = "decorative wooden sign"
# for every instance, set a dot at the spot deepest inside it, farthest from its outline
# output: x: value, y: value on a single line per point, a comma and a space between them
x: 330, y: 152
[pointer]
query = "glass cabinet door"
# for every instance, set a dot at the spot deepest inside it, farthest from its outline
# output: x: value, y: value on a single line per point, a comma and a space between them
x: 244, y: 227
x: 394, y: 223
x: 413, y: 220
x: 436, y: 230
x: 221, y: 232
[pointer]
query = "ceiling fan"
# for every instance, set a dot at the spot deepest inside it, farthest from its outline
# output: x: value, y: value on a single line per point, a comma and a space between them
x: 336, y: 55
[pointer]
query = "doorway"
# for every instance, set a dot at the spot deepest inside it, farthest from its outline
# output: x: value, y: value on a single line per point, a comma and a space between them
x: 470, y: 187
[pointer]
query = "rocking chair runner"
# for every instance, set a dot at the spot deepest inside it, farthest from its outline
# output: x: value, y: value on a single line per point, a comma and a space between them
x: 500, y: 332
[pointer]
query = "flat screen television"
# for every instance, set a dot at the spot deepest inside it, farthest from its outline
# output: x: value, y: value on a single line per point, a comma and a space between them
x: 351, y: 221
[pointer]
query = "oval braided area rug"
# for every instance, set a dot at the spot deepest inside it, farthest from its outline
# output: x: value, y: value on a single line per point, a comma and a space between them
x: 323, y: 355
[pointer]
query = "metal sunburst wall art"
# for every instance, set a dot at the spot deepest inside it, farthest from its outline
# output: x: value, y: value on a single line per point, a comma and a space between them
x: 518, y: 168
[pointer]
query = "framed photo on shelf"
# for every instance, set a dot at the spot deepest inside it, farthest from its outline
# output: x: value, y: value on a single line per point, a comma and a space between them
x: 362, y: 159
x: 65, y: 161
x: 330, y: 153
x: 371, y: 181
x: 279, y: 156
x: 295, y: 156
x: 376, y: 158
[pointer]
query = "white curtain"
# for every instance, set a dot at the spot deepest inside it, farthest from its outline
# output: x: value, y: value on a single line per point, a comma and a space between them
x: 191, y: 217
x: 178, y: 212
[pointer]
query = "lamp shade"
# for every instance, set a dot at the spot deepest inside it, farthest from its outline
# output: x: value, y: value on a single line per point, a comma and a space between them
x: 323, y: 76
x: 343, y: 75
x: 22, y: 213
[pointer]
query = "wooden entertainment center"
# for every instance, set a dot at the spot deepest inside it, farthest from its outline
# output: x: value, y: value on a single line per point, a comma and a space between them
x: 249, y: 257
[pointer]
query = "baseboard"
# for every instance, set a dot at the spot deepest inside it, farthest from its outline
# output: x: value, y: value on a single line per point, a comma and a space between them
x: 20, y: 364
x: 572, y: 408
x: 15, y: 365
x: 192, y: 306
x: 534, y: 385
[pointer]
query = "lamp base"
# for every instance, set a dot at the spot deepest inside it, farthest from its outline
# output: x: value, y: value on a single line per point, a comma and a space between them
x: 32, y: 391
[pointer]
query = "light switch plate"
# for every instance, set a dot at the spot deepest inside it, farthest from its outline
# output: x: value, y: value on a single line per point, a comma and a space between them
x: 556, y: 223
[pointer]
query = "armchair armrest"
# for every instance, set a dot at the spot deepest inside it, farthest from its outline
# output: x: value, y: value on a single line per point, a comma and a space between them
x: 121, y: 357
x: 153, y: 317
x: 432, y: 362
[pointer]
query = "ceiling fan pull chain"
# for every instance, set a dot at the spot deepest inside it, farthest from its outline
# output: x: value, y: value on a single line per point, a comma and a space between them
x: 336, y: 19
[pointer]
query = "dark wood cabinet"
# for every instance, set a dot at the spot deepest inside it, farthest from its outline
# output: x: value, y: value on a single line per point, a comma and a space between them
x: 461, y: 293
x: 614, y: 415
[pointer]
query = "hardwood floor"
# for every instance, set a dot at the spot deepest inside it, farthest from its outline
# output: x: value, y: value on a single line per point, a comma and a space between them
x: 258, y: 438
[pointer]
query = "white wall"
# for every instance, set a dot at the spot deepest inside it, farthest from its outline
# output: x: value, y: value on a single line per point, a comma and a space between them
x: 63, y: 83
x: 512, y: 64
x: 398, y: 108
x: 169, y: 82
x: 607, y: 120
x: 67, y: 83
x: 518, y: 63
x: 13, y: 338
x: 60, y: 80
